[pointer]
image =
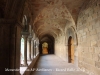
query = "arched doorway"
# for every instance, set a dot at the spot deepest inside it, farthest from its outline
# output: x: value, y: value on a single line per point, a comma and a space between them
x: 45, y: 48
x: 70, y: 50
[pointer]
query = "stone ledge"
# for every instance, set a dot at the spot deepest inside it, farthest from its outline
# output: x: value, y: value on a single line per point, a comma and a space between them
x: 26, y: 72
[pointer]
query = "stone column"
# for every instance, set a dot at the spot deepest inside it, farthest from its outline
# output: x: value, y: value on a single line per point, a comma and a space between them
x: 25, y: 50
x: 30, y: 39
x: 32, y: 49
x: 37, y: 50
x: 29, y: 49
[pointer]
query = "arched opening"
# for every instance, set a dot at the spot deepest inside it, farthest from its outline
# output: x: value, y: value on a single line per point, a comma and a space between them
x: 70, y: 50
x: 22, y: 52
x: 45, y: 48
x: 50, y: 43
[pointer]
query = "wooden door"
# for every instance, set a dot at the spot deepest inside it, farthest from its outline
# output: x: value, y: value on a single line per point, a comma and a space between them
x: 70, y: 50
x: 45, y: 50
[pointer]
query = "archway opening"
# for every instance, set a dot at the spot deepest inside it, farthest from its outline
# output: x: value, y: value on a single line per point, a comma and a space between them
x: 22, y: 52
x: 50, y: 42
x: 70, y: 50
x: 45, y: 48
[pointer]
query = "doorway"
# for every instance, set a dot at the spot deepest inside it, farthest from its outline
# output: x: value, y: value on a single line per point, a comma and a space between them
x: 70, y: 50
x: 45, y: 48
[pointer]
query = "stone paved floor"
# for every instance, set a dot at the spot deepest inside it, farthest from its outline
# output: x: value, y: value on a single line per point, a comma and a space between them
x: 53, y: 65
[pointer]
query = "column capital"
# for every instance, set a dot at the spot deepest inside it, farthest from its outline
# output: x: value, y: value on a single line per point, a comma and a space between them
x: 32, y: 39
x: 25, y: 33
x: 29, y: 37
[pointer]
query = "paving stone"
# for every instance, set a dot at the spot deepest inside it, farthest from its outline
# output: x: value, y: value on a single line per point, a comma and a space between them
x: 57, y: 65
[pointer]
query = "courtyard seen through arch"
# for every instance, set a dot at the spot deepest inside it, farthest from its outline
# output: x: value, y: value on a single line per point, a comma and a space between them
x: 22, y: 52
x: 45, y: 48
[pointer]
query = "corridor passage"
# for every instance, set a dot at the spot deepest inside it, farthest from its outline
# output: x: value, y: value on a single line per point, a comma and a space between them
x: 53, y: 65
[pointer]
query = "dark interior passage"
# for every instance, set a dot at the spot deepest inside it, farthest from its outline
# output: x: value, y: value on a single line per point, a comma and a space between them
x: 49, y: 41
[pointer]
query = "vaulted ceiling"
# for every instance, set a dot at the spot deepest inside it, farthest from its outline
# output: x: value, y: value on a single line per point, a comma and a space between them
x: 51, y: 16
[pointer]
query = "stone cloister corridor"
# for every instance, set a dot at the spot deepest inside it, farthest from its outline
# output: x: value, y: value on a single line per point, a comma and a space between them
x: 49, y: 34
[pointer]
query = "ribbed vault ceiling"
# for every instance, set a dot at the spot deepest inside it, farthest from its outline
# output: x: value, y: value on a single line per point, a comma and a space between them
x: 51, y: 16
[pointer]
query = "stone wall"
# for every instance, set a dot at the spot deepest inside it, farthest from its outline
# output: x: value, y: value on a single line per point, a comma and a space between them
x: 61, y: 44
x: 60, y: 47
x: 88, y: 30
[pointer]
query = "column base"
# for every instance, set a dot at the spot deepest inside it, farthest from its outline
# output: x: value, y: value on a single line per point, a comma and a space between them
x: 23, y: 65
x: 29, y: 60
x: 32, y: 57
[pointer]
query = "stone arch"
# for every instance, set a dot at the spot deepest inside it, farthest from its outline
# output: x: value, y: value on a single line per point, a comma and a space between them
x: 25, y: 23
x: 24, y: 20
x: 50, y: 40
x: 71, y: 32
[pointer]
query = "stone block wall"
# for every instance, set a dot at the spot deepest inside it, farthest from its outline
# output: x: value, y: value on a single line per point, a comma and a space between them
x: 88, y: 31
x: 60, y: 47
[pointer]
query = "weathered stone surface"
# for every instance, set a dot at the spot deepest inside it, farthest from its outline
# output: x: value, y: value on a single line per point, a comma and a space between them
x: 92, y: 32
x: 97, y: 64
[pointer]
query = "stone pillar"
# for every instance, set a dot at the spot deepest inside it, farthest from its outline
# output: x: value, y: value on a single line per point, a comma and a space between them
x: 29, y: 49
x: 32, y: 49
x: 30, y: 39
x: 38, y: 47
x: 25, y: 50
